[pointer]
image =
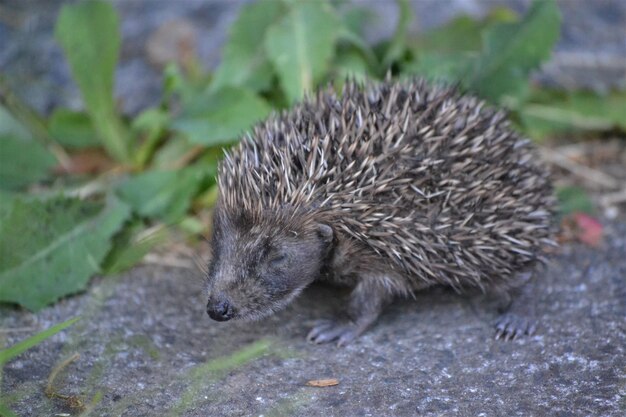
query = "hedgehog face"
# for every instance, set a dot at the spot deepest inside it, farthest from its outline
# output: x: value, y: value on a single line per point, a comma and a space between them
x: 258, y: 267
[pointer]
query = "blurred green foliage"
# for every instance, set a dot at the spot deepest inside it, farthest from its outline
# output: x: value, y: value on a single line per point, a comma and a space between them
x: 57, y: 230
x: 51, y: 247
x: 89, y: 35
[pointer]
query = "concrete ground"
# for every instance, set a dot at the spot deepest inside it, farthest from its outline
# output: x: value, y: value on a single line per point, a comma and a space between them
x: 147, y: 348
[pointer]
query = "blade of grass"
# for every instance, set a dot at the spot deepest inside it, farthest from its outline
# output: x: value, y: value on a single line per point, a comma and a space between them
x: 24, y: 345
x: 5, y: 412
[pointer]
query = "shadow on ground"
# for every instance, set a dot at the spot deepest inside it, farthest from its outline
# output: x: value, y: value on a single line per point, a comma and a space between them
x: 148, y: 349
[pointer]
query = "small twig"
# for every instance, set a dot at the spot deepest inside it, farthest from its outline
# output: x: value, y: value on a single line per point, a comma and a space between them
x: 98, y: 185
x: 150, y: 232
x: 72, y: 401
x: 613, y: 198
x: 571, y: 150
x: 589, y: 174
x: 188, y: 157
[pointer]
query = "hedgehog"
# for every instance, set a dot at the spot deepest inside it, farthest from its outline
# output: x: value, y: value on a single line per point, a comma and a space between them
x: 389, y: 188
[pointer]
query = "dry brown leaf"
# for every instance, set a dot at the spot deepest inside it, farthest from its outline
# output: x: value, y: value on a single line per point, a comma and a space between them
x: 87, y: 161
x: 323, y: 382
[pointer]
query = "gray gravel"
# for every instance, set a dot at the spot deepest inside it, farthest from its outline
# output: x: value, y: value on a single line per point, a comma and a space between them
x: 144, y: 340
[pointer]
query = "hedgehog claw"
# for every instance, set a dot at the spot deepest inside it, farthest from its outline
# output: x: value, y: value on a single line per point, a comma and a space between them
x: 326, y: 331
x: 511, y: 327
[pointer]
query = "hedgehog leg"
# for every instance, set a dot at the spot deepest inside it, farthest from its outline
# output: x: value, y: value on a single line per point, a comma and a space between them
x: 367, y: 301
x: 517, y: 318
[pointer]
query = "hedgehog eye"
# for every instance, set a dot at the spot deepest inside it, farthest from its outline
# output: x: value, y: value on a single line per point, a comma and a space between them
x: 277, y: 260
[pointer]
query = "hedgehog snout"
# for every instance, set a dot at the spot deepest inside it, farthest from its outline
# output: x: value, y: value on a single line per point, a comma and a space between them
x: 220, y: 310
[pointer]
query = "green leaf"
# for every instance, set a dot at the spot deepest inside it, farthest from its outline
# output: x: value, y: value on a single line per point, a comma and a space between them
x: 512, y: 50
x: 6, y: 199
x: 462, y: 34
x: 151, y: 125
x: 163, y: 194
x: 23, y: 162
x: 351, y: 64
x: 173, y: 150
x: 350, y: 33
x: 573, y: 199
x: 72, y: 129
x: 355, y: 19
x: 441, y: 68
x: 355, y: 42
x: 20, y: 347
x: 221, y: 117
x: 11, y: 127
x: 397, y: 45
x: 301, y: 46
x: 244, y: 62
x: 173, y: 81
x: 89, y: 34
x: 151, y: 120
x: 192, y: 226
x: 552, y: 112
x: 130, y: 246
x: 51, y: 248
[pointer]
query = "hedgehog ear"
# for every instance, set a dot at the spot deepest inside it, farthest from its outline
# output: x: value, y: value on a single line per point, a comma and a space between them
x: 325, y: 232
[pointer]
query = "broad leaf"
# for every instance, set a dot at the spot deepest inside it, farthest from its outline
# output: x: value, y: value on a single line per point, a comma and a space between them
x: 356, y: 18
x: 462, y: 34
x: 512, y: 50
x: 351, y: 65
x: 150, y: 125
x: 23, y: 162
x: 163, y: 194
x: 89, y: 34
x: 350, y: 33
x: 11, y: 127
x: 51, y: 248
x: 6, y: 200
x: 550, y: 112
x: 357, y: 43
x: 130, y: 246
x: 73, y: 129
x: 244, y: 61
x: 167, y: 156
x: 221, y: 117
x: 441, y: 68
x: 301, y: 46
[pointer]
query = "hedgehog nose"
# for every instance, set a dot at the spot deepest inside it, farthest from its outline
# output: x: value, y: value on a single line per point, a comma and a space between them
x: 220, y: 311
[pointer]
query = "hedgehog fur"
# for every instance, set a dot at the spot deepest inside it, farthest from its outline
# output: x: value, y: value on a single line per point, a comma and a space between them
x: 418, y: 184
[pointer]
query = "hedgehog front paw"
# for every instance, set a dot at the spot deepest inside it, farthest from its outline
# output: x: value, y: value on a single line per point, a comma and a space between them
x: 510, y: 326
x: 326, y: 331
